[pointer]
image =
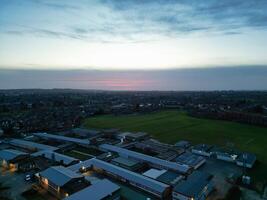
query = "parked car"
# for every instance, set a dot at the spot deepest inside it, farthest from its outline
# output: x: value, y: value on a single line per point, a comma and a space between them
x: 28, y: 177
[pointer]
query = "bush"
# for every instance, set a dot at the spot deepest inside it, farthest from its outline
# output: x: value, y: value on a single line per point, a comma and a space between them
x: 234, y: 193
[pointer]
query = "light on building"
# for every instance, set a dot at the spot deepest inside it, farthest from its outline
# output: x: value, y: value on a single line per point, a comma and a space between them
x: 46, y: 181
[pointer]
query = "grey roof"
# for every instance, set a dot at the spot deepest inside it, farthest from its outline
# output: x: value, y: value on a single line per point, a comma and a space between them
x: 124, y: 173
x: 248, y: 158
x: 62, y: 138
x: 203, y: 147
x: 57, y: 156
x: 125, y: 161
x: 59, y: 175
x: 97, y: 191
x: 189, y: 159
x: 170, y: 177
x: 139, y: 156
x: 182, y: 143
x: 10, y: 154
x: 137, y: 135
x: 193, y: 185
x: 88, y: 132
x: 29, y: 144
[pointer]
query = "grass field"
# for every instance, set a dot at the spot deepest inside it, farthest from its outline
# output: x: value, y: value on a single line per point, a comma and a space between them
x: 172, y: 126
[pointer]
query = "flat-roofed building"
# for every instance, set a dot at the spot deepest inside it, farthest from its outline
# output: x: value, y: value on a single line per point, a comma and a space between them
x: 153, y: 161
x: 60, y: 138
x: 126, y: 163
x: 191, y: 159
x: 61, y: 181
x: 197, y: 186
x: 225, y: 154
x: 33, y: 146
x: 57, y: 157
x: 101, y: 190
x: 137, y: 136
x: 85, y: 132
x: 154, y: 173
x: 203, y: 149
x: 149, y: 185
x: 246, y: 160
x: 170, y: 178
x: 11, y: 158
x: 183, y: 144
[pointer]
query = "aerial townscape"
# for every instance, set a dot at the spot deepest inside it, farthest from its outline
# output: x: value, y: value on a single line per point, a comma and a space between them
x: 133, y: 99
x: 144, y: 147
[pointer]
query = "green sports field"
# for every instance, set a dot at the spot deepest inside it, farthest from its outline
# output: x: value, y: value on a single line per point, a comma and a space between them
x: 172, y: 126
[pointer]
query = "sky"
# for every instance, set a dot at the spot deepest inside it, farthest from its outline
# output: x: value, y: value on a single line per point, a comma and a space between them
x: 133, y: 44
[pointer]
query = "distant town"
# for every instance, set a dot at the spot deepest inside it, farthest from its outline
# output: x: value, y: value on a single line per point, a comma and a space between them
x: 85, y: 144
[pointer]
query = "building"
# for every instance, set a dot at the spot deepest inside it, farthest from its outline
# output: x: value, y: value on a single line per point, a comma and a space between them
x: 225, y: 154
x: 182, y: 144
x: 191, y: 160
x: 203, y: 149
x: 126, y: 163
x: 153, y: 161
x: 136, y: 136
x: 149, y: 185
x: 61, y: 181
x: 82, y: 132
x: 1, y: 132
x: 33, y: 146
x: 246, y: 160
x: 154, y: 173
x: 101, y: 190
x: 170, y: 178
x: 60, y: 138
x: 57, y: 157
x: 12, y: 159
x: 197, y: 186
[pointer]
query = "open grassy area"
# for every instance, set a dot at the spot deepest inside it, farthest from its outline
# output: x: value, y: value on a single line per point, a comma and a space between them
x: 172, y: 126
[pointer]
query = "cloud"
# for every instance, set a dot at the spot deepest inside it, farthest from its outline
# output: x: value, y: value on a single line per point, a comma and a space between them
x: 222, y: 78
x: 146, y: 20
x: 60, y: 5
x: 187, y: 16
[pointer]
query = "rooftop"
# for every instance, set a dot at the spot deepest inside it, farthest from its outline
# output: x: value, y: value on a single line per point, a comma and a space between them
x: 126, y: 174
x: 59, y: 175
x: 170, y: 177
x: 10, y: 154
x: 125, y: 161
x: 25, y: 143
x: 154, y: 173
x: 63, y: 138
x: 203, y: 147
x: 97, y: 191
x: 248, y: 158
x: 167, y: 164
x: 193, y: 185
x: 189, y: 159
x: 57, y: 156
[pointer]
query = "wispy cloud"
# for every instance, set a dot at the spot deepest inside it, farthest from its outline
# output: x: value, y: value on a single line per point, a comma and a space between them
x: 136, y: 20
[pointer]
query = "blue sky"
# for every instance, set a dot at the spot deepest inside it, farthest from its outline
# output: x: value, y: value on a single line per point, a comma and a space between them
x: 133, y: 35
